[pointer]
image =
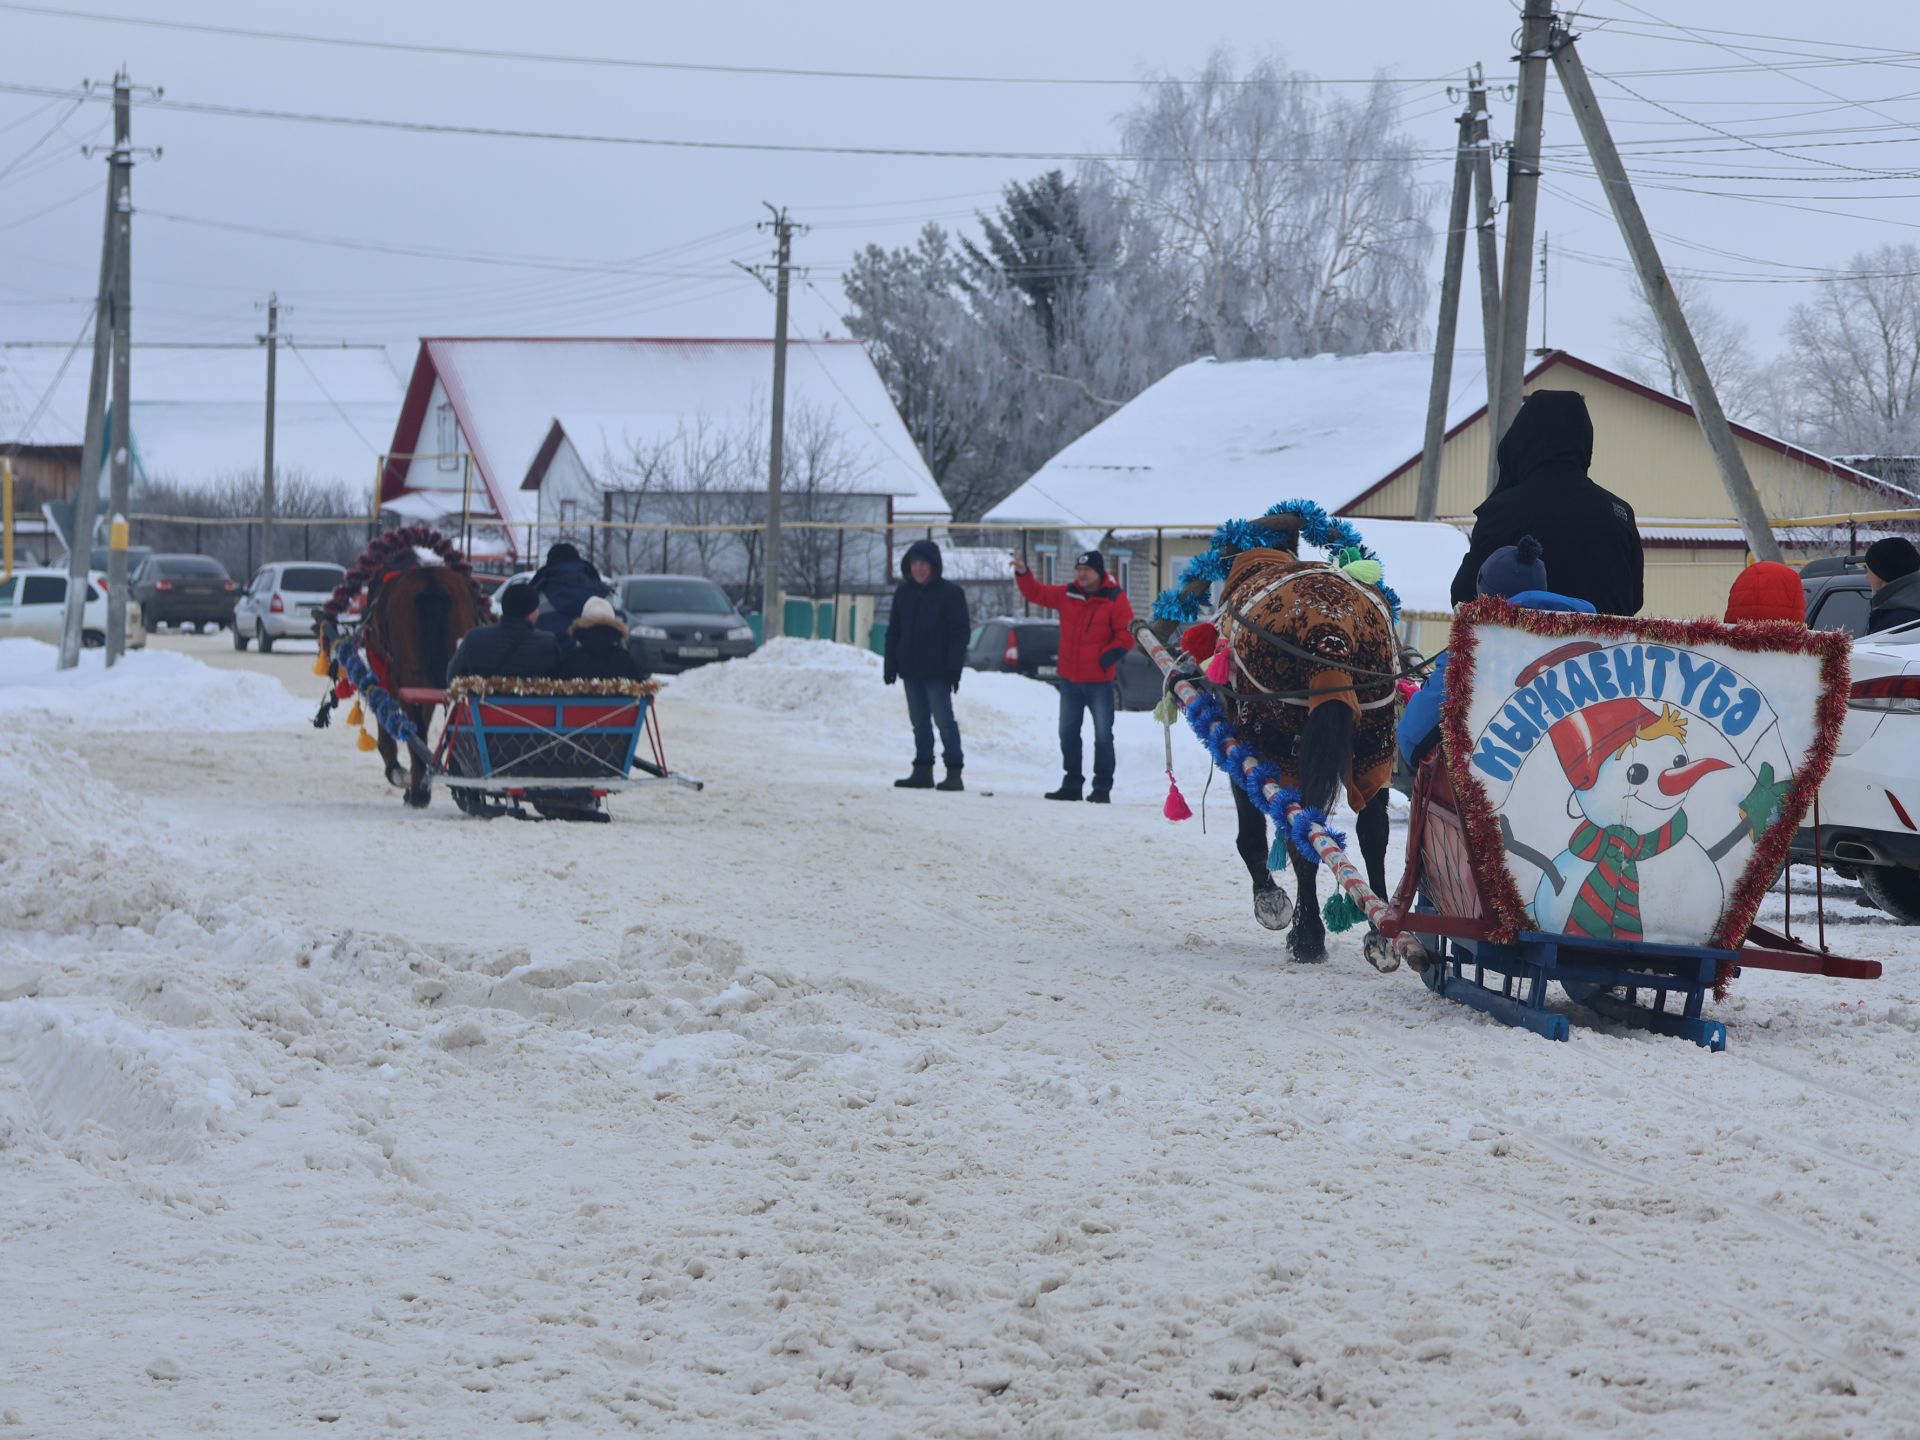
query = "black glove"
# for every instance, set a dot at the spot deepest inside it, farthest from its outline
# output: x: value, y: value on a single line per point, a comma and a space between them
x: 954, y: 681
x: 890, y: 677
x: 1113, y: 657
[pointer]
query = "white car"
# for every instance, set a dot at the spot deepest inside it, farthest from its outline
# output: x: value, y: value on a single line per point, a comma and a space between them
x: 282, y: 601
x: 1870, y: 803
x: 33, y: 606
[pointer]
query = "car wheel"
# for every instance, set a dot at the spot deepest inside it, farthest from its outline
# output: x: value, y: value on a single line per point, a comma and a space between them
x: 260, y: 634
x: 93, y: 640
x: 239, y: 638
x: 1893, y: 889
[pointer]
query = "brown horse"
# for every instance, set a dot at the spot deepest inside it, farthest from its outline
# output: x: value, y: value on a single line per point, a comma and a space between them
x: 416, y: 616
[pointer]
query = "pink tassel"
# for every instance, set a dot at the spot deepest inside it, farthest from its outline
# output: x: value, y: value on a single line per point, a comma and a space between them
x: 1176, y: 806
x: 1220, y: 668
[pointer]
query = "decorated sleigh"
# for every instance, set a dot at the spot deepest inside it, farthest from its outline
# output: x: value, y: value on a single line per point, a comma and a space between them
x: 1610, y: 803
x: 559, y: 746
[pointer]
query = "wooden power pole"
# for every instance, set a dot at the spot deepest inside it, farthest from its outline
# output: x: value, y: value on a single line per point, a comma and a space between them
x: 1659, y: 293
x: 120, y: 466
x: 272, y: 341
x: 1523, y: 193
x: 1427, y: 497
x: 772, y: 616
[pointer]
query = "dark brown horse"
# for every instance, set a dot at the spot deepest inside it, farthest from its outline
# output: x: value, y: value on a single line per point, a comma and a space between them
x: 416, y: 616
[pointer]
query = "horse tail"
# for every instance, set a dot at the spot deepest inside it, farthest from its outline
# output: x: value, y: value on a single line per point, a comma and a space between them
x: 1326, y: 754
x: 433, y: 608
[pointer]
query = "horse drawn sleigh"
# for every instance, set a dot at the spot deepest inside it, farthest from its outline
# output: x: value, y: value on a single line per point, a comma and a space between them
x: 559, y: 747
x: 1611, y: 801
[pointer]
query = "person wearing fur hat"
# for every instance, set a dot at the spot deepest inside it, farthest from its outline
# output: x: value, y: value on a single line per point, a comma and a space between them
x: 1096, y: 632
x: 599, y: 650
x: 1515, y: 573
x: 566, y: 582
x: 1893, y: 575
x: 1767, y: 590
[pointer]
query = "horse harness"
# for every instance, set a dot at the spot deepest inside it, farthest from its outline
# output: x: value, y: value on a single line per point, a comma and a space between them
x: 1261, y: 694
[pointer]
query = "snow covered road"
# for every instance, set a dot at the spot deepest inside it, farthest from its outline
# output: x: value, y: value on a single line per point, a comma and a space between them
x: 803, y: 1106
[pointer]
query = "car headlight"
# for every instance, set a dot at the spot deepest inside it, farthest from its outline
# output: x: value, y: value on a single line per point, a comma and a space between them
x: 649, y: 632
x: 740, y: 632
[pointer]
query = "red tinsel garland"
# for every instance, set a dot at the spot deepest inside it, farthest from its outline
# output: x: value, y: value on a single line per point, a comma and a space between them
x: 1506, y: 911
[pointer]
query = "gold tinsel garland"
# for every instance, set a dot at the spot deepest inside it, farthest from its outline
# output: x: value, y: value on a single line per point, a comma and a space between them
x: 490, y: 687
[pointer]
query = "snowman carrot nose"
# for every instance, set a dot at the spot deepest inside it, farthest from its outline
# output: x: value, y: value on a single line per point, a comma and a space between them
x: 1683, y: 778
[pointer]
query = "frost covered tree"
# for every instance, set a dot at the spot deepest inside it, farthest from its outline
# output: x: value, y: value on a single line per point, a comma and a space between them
x: 1724, y: 347
x: 1854, y: 354
x: 1291, y: 224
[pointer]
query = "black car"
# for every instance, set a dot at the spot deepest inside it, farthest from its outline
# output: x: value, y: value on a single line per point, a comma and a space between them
x: 1837, y: 593
x: 675, y: 622
x: 136, y: 557
x: 184, y: 590
x: 1031, y: 647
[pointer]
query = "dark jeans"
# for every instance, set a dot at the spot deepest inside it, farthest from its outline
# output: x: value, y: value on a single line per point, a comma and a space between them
x: 930, y: 703
x: 1078, y: 698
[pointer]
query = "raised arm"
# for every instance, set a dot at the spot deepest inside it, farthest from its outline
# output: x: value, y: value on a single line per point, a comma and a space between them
x: 1051, y: 596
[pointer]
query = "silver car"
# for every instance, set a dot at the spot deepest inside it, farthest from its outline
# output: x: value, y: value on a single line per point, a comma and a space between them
x: 282, y: 601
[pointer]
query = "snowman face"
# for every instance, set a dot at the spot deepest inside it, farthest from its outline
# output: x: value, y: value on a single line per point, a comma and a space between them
x: 1646, y: 783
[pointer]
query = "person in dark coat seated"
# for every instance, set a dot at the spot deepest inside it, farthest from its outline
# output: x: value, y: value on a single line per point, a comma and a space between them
x: 511, y: 648
x: 1893, y: 575
x: 599, y: 650
x: 1588, y: 533
x: 566, y: 582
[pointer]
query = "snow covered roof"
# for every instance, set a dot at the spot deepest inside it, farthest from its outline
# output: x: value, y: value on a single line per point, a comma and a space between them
x: 1217, y: 439
x: 507, y: 394
x: 199, y: 413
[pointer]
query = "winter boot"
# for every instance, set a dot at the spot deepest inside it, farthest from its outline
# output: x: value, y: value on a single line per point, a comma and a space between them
x: 1098, y: 797
x: 953, y: 781
x: 920, y: 779
x: 1069, y: 790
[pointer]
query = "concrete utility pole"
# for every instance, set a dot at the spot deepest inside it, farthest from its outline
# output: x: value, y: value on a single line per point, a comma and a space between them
x: 1523, y: 193
x: 122, y: 366
x: 772, y: 612
x: 272, y: 341
x: 86, y: 495
x: 1489, y: 247
x: 1427, y: 497
x: 1659, y: 292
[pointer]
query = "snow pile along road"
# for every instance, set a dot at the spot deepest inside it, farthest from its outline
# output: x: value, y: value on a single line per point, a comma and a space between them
x: 148, y: 690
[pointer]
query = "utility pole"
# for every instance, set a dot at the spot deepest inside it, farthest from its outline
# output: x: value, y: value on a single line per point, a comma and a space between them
x: 1659, y: 292
x: 272, y: 341
x: 1523, y: 193
x: 1427, y: 497
x: 1546, y: 254
x: 122, y: 366
x: 1489, y: 248
x: 772, y: 617
x: 86, y: 494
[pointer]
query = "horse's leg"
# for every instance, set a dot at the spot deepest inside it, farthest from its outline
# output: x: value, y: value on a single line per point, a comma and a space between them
x: 1307, y: 940
x: 419, y: 793
x: 1370, y: 827
x: 390, y: 754
x: 1271, y: 907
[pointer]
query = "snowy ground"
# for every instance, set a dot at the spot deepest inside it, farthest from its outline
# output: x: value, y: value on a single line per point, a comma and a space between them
x: 804, y: 1106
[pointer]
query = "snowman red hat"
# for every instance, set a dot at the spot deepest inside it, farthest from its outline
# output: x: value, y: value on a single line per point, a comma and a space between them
x: 1588, y: 738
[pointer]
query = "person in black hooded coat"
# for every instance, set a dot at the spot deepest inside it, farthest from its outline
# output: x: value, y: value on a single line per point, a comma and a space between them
x: 566, y: 582
x: 925, y: 650
x: 1544, y: 491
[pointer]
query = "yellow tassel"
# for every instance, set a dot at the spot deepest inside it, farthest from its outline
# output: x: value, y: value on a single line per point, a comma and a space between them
x: 355, y: 716
x: 320, y: 665
x: 367, y: 742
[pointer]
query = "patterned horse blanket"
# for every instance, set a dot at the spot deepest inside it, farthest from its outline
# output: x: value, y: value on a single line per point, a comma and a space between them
x: 1333, y: 621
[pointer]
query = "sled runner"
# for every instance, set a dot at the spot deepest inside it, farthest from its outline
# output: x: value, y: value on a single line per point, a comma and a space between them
x: 1611, y: 801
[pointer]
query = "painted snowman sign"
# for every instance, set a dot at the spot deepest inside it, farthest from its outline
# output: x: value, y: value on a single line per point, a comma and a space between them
x: 1636, y: 780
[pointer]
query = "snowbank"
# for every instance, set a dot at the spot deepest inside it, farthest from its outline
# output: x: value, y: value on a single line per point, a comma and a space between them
x: 147, y: 690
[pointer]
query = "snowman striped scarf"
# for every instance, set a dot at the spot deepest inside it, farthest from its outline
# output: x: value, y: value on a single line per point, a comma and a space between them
x: 1608, y: 905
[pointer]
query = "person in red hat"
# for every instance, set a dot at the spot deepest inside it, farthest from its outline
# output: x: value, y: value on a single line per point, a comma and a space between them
x: 1767, y: 591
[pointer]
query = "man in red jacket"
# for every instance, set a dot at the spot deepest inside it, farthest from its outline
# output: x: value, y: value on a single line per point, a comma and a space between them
x: 1095, y: 635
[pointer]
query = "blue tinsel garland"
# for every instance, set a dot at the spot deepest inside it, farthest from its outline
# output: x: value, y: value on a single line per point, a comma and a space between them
x: 1316, y: 528
x: 1208, y: 717
x: 385, y: 708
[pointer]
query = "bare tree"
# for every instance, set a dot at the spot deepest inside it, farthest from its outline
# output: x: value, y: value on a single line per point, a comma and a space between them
x: 1645, y: 355
x: 201, y: 519
x: 1854, y: 354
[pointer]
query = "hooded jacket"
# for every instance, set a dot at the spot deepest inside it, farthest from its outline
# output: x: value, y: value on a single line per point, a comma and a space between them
x: 567, y: 582
x: 1420, y: 721
x: 1588, y: 535
x: 1895, y: 603
x: 508, y: 649
x: 927, y: 632
x: 1092, y: 626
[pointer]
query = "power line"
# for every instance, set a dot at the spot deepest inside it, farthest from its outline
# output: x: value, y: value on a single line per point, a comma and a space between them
x: 475, y: 52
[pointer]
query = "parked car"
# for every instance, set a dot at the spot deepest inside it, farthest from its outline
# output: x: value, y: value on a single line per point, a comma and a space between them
x: 1870, y: 804
x: 282, y: 602
x: 1837, y: 593
x: 33, y: 606
x: 1030, y: 646
x: 185, y: 590
x: 102, y: 555
x: 675, y: 622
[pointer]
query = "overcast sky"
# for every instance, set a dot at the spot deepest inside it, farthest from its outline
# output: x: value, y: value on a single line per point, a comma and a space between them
x: 676, y: 218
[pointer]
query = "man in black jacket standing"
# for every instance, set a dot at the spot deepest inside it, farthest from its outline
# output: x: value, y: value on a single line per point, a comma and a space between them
x: 1544, y: 491
x: 926, y: 647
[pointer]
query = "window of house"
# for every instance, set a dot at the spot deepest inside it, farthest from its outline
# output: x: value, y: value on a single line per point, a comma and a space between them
x: 446, y: 437
x: 1123, y: 571
x: 569, y: 511
x: 1046, y: 567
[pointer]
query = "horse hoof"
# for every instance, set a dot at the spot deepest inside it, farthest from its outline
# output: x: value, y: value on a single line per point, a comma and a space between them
x: 419, y: 799
x: 1273, y: 907
x: 1381, y: 952
x: 1306, y: 947
x: 397, y: 777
